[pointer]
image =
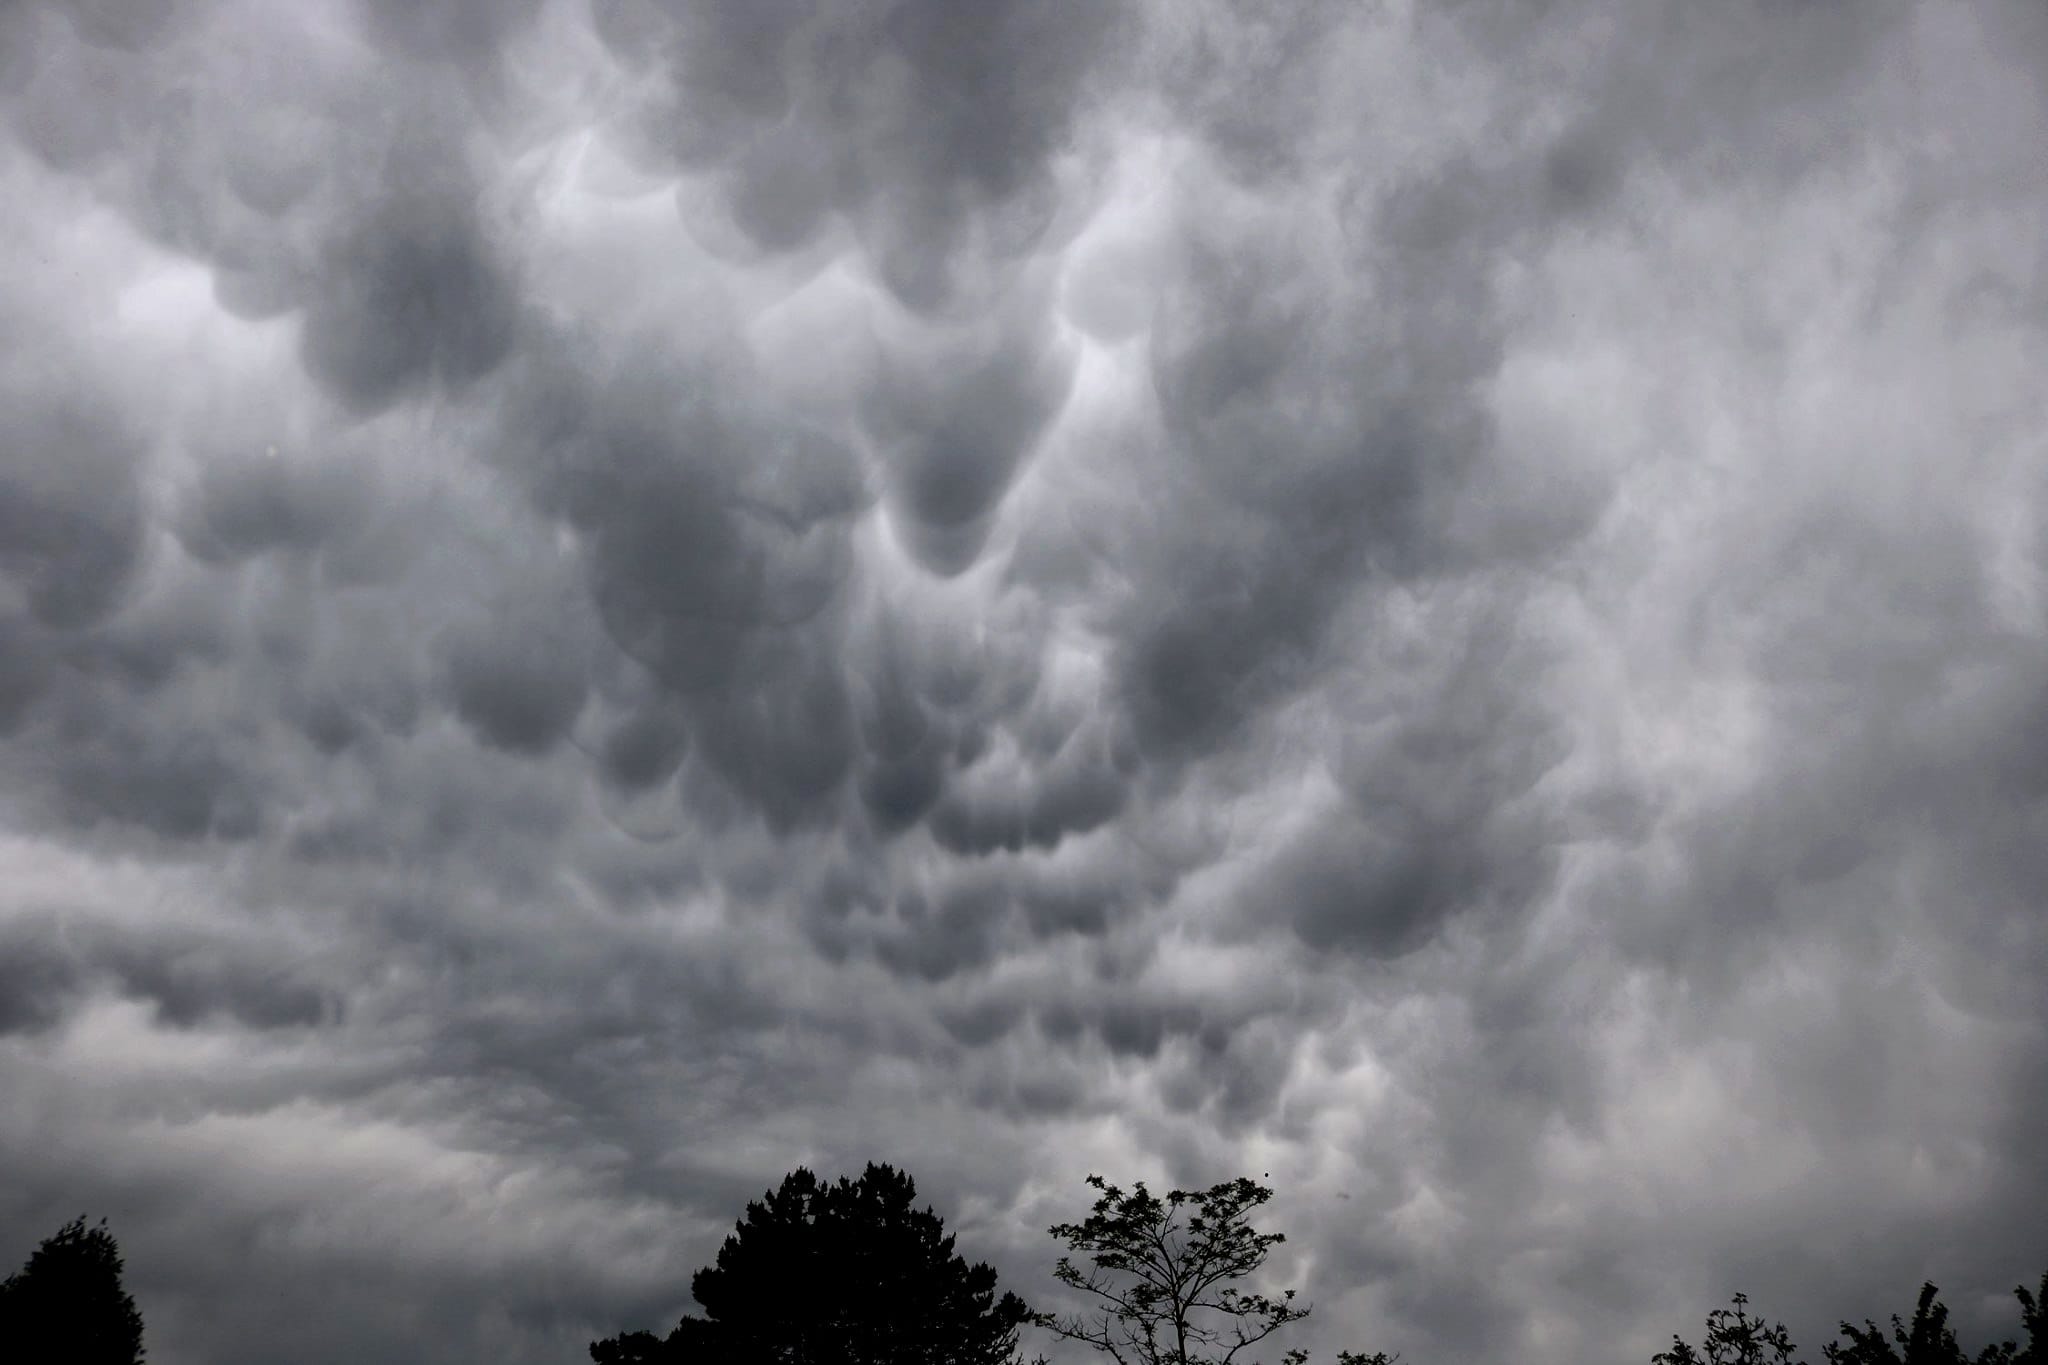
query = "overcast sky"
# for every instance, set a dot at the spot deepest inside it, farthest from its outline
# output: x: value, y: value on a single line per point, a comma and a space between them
x: 603, y: 598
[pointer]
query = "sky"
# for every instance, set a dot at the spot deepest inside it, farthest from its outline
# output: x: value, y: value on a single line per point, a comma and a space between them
x: 1445, y: 604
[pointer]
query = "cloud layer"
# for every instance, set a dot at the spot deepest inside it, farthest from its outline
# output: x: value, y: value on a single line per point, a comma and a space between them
x: 602, y: 598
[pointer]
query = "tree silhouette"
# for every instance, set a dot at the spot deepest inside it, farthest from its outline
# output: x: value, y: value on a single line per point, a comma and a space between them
x: 1734, y: 1338
x: 1164, y: 1277
x: 836, y: 1274
x: 1927, y: 1340
x: 67, y: 1303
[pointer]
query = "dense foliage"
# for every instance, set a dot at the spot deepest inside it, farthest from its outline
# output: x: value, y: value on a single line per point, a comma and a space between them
x: 837, y: 1274
x: 850, y: 1274
x: 1735, y: 1338
x: 67, y: 1303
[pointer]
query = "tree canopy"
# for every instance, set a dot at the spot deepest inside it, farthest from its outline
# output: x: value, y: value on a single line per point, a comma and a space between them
x: 1735, y: 1338
x: 846, y: 1273
x: 1928, y: 1339
x: 67, y: 1303
x: 1164, y: 1283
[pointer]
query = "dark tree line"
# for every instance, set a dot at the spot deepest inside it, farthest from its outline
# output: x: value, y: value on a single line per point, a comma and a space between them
x: 824, y: 1275
x: 852, y: 1272
x: 1735, y: 1338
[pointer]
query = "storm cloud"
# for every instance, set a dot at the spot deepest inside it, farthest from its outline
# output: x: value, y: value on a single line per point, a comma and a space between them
x: 600, y: 599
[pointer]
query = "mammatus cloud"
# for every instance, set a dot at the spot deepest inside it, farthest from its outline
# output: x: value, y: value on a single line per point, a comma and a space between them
x: 600, y: 599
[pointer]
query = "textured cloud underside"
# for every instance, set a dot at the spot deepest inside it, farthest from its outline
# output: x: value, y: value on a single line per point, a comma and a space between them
x: 601, y: 599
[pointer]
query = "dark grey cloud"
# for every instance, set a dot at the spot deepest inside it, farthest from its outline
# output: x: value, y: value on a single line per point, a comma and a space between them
x: 410, y: 295
x: 953, y: 422
x: 927, y: 132
x: 188, y: 979
x: 73, y: 531
x: 598, y: 601
x: 249, y: 503
x: 515, y: 682
x: 446, y: 29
